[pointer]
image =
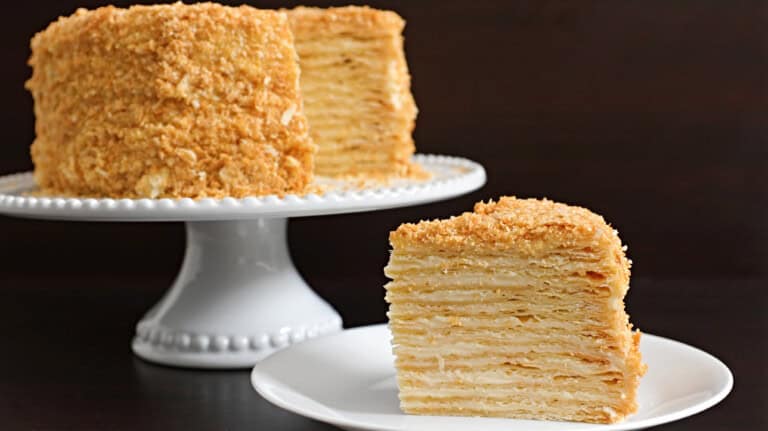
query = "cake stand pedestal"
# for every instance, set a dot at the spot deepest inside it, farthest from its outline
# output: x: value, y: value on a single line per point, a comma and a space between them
x: 238, y: 296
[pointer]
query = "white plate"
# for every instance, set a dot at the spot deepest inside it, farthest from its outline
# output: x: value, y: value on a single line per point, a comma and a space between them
x: 451, y: 177
x: 348, y: 380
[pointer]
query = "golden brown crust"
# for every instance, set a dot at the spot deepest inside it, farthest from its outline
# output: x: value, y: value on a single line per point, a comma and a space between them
x: 523, y: 224
x: 356, y: 87
x: 169, y: 101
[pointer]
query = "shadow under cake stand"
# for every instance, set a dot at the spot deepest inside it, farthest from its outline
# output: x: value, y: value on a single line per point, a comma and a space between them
x: 238, y: 296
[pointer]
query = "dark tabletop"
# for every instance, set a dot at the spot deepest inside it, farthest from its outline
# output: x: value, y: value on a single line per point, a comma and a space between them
x: 66, y: 362
x: 652, y: 113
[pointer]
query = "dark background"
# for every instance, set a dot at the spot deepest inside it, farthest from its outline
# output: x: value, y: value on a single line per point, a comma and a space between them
x: 651, y: 113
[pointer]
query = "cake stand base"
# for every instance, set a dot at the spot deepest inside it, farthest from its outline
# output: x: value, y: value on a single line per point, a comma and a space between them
x: 237, y: 299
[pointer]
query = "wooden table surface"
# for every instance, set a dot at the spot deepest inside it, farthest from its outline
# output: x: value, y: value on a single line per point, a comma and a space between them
x: 652, y: 113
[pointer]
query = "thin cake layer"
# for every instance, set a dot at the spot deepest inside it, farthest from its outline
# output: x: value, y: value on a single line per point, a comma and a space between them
x: 356, y: 89
x: 514, y: 310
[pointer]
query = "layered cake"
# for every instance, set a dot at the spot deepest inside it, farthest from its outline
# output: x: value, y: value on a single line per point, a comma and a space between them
x: 514, y: 310
x: 356, y: 87
x: 169, y: 101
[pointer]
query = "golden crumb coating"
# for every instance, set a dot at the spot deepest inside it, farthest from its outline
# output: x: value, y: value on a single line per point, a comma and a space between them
x: 527, y: 225
x: 169, y: 101
x: 356, y: 90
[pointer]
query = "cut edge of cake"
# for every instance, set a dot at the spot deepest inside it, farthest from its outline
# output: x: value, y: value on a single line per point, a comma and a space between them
x: 356, y: 89
x: 513, y: 310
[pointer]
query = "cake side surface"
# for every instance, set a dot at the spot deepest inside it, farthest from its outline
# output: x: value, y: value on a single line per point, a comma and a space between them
x: 513, y: 310
x: 169, y: 101
x: 356, y: 89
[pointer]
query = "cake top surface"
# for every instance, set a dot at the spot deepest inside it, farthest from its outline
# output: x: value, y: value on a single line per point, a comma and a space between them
x: 345, y: 19
x: 529, y: 225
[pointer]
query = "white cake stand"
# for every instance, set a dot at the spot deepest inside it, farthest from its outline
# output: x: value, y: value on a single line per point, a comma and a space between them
x: 238, y: 296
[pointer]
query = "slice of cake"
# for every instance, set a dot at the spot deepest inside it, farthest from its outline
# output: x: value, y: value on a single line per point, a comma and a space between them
x: 169, y: 101
x: 515, y: 310
x: 356, y: 89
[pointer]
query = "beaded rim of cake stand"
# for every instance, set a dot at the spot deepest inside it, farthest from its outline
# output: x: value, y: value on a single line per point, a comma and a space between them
x: 182, y: 341
x: 12, y: 187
